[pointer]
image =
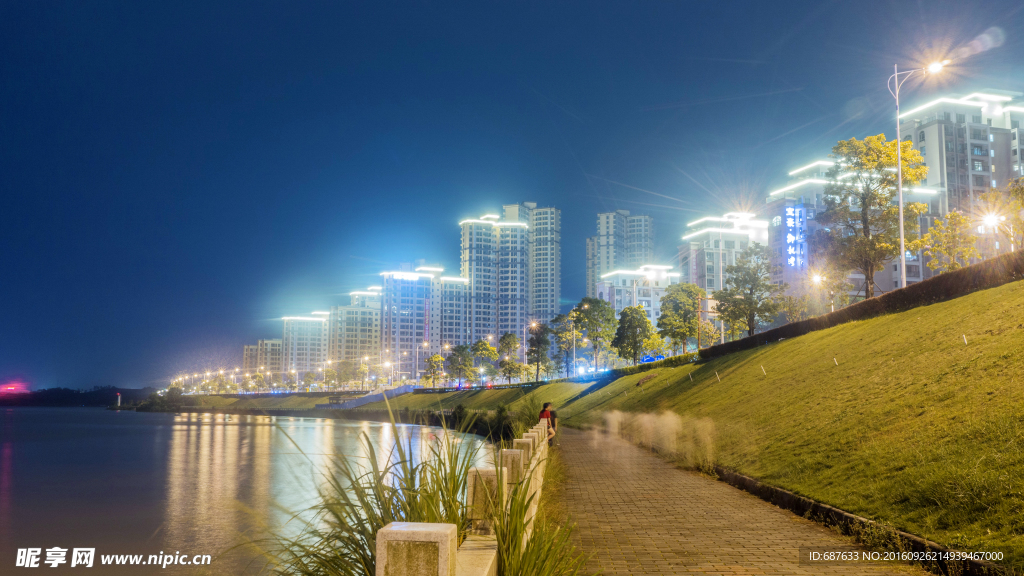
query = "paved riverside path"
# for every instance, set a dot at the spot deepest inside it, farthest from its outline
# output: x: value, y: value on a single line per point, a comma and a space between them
x: 640, y: 515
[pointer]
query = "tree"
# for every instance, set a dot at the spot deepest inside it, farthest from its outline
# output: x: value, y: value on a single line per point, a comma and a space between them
x: 634, y: 329
x: 565, y: 327
x: 861, y: 212
x: 597, y: 319
x: 538, y: 346
x: 330, y: 377
x: 308, y: 379
x: 509, y: 368
x: 435, y: 367
x: 750, y: 298
x: 362, y: 372
x: 508, y: 345
x: 1006, y: 206
x: 796, y: 308
x: 709, y: 334
x: 483, y: 350
x: 654, y: 345
x: 460, y: 362
x: 257, y: 380
x: 951, y: 244
x: 679, y: 312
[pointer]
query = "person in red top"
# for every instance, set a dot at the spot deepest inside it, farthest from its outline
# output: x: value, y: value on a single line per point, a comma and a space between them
x: 552, y: 416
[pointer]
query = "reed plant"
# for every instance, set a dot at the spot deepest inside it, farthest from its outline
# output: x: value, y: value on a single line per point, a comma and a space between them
x: 338, y: 536
x: 527, y: 545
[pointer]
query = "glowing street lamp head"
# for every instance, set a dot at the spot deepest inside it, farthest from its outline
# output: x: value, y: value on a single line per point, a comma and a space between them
x: 991, y: 220
x: 816, y: 278
x: 936, y: 67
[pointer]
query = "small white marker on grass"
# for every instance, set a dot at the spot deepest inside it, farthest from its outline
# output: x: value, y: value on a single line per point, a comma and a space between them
x: 965, y: 339
x: 836, y: 361
x: 691, y: 376
x: 762, y: 371
x: 717, y: 376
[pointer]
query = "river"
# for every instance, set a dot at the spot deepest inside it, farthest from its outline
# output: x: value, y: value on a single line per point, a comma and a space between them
x: 129, y: 483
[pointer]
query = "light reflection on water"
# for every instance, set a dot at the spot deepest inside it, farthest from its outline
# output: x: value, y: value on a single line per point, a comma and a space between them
x: 146, y: 483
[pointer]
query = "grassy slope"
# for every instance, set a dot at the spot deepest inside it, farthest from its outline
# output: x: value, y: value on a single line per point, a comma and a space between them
x: 912, y: 427
x: 556, y: 393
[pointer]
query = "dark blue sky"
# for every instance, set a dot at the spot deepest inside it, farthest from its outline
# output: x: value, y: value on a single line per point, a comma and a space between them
x: 175, y: 176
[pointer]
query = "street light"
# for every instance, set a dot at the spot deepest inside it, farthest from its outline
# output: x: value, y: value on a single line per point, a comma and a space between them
x: 894, y: 89
x: 531, y: 327
x: 818, y: 279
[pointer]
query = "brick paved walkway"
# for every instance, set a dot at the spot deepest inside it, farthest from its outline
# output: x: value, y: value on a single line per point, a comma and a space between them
x: 640, y: 515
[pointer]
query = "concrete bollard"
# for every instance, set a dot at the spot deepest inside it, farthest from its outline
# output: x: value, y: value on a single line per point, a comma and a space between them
x: 533, y: 437
x: 417, y: 549
x: 526, y: 447
x: 486, y: 487
x: 512, y: 460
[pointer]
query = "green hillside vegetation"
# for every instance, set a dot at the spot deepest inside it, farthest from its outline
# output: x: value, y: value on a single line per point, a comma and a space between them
x: 894, y: 418
x: 512, y: 398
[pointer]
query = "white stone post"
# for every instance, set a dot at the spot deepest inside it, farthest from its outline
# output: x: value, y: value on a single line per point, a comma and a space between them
x: 526, y: 447
x: 512, y: 460
x: 486, y: 488
x: 417, y: 549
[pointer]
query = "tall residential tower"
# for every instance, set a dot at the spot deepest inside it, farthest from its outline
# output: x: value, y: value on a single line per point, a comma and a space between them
x: 623, y: 241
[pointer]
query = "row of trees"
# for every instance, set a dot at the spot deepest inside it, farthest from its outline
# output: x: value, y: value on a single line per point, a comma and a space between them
x: 861, y: 216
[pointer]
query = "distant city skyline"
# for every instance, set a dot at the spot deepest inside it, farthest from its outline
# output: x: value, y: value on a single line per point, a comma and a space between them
x: 170, y: 201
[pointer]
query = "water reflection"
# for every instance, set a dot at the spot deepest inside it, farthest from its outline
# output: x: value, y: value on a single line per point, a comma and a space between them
x: 228, y: 475
x: 136, y: 483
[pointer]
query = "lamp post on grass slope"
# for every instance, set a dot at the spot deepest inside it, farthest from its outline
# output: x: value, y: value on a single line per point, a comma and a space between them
x: 894, y: 84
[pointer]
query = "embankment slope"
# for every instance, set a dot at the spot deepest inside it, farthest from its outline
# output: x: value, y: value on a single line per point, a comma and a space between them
x: 895, y: 418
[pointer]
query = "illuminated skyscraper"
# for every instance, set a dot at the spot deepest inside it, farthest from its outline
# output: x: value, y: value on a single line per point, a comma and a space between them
x: 423, y: 312
x: 354, y: 330
x: 623, y: 241
x: 304, y: 343
x: 513, y: 265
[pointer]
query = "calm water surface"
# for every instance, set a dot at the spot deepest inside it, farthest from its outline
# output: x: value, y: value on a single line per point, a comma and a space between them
x: 136, y: 483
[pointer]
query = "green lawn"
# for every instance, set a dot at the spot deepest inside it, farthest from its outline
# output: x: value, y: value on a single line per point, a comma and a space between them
x: 894, y: 418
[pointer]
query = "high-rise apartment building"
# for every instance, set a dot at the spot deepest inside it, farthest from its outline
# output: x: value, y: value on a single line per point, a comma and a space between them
x: 268, y: 355
x: 304, y: 343
x: 263, y: 356
x: 249, y: 362
x: 971, y: 144
x: 422, y: 313
x: 623, y: 241
x: 353, y: 331
x: 513, y: 268
x: 545, y: 256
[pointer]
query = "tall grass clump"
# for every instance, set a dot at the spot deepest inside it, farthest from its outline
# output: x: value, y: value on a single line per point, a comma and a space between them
x: 340, y: 535
x: 528, y: 546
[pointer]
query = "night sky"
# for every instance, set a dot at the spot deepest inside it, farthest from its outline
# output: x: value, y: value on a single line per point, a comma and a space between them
x: 176, y: 176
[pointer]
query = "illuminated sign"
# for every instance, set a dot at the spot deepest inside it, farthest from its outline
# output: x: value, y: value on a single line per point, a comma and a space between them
x: 795, y: 256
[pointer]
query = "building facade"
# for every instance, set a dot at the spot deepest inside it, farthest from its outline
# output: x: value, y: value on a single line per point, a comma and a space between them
x: 249, y: 363
x: 423, y: 313
x: 711, y: 244
x: 268, y: 355
x: 304, y: 344
x: 623, y: 241
x: 513, y: 268
x: 354, y: 330
x: 644, y: 287
x: 971, y: 144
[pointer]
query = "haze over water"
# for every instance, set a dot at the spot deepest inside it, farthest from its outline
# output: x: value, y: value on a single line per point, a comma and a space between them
x: 146, y: 483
